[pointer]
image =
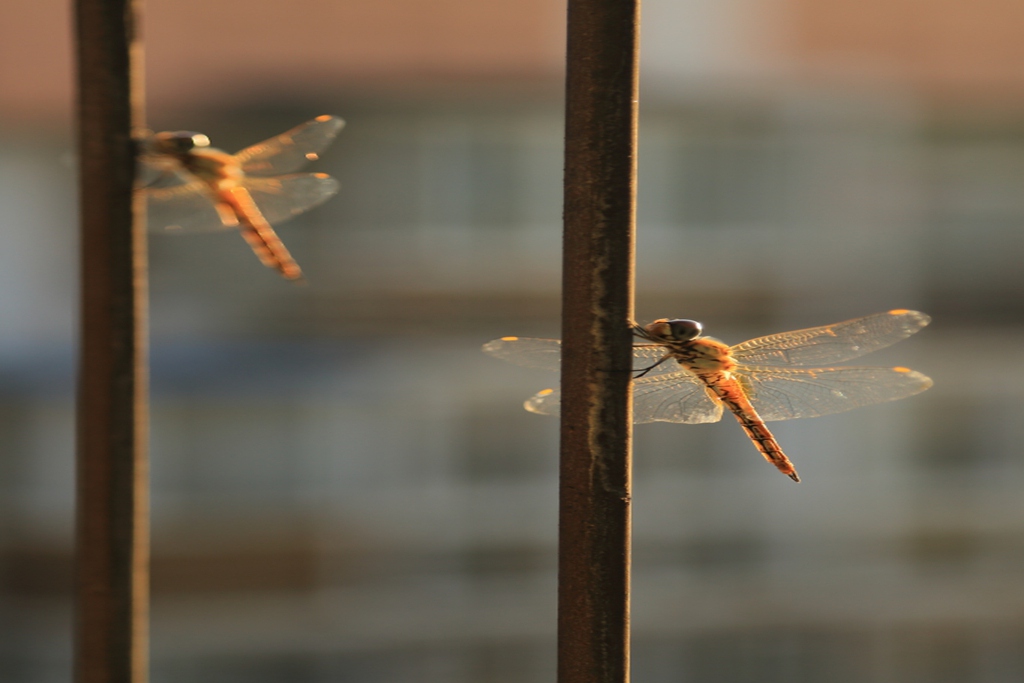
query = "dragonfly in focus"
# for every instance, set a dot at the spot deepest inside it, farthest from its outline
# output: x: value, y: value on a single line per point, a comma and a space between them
x: 191, y: 187
x: 687, y: 377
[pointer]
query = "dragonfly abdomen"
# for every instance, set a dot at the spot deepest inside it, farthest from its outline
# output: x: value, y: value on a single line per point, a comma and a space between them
x: 261, y: 237
x: 223, y: 174
x: 729, y: 392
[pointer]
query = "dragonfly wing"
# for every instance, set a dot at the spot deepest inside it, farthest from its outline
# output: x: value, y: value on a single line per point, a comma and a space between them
x: 831, y: 343
x: 149, y: 172
x: 787, y: 393
x: 665, y: 398
x: 546, y: 402
x: 189, y: 207
x: 545, y: 354
x: 285, y: 197
x: 290, y: 150
x: 673, y: 397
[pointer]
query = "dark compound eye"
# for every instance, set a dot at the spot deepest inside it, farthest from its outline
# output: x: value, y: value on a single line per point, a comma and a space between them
x: 684, y: 330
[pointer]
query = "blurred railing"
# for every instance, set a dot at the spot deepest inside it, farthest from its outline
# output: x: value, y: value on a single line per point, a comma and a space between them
x: 112, y: 536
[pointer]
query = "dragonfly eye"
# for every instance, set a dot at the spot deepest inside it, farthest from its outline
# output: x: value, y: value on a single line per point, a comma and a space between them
x: 179, y: 141
x: 684, y: 330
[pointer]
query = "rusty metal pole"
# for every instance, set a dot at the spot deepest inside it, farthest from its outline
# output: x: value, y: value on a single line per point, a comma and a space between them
x: 112, y: 533
x: 600, y: 198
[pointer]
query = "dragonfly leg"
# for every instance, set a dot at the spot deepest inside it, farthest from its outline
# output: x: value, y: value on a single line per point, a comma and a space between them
x: 648, y: 369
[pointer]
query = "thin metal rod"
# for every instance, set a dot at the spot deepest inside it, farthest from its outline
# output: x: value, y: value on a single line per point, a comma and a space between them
x: 112, y: 552
x: 600, y: 198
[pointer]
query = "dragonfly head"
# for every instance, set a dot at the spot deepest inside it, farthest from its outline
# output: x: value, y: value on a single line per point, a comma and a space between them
x: 179, y: 142
x: 674, y: 330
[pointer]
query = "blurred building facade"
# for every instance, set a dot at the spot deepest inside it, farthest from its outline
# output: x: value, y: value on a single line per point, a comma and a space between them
x: 345, y: 489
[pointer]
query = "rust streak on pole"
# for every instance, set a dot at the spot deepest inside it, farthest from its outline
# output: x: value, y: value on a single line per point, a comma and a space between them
x: 112, y: 533
x: 600, y: 198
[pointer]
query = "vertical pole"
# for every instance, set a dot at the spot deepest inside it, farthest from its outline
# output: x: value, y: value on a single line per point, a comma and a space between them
x: 600, y: 198
x: 112, y: 533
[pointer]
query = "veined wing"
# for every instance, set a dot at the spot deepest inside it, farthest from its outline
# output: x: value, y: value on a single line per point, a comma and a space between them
x: 546, y: 354
x: 285, y: 197
x: 290, y: 150
x: 671, y: 397
x: 786, y: 393
x: 190, y: 207
x: 546, y: 402
x: 674, y: 397
x: 831, y: 343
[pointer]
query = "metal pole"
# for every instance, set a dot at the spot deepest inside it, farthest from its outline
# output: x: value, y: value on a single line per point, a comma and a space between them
x: 112, y: 531
x: 600, y: 198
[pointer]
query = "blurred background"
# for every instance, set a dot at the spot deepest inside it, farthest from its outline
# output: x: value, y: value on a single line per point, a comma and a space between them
x: 346, y: 489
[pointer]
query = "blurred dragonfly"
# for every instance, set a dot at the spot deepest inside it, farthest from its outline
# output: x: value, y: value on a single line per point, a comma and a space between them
x: 686, y: 377
x: 191, y: 187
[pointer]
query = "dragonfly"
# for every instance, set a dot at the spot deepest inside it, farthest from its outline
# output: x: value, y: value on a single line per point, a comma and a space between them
x: 190, y: 186
x: 686, y: 377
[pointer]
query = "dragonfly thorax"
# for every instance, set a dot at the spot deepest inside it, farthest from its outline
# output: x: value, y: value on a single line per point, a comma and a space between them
x: 704, y: 355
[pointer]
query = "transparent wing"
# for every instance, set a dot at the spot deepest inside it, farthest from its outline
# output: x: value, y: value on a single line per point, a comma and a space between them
x: 776, y: 393
x: 668, y: 397
x: 787, y: 393
x: 290, y: 150
x: 546, y: 402
x: 831, y: 343
x: 188, y: 208
x: 150, y: 172
x: 285, y: 197
x: 673, y: 397
x: 676, y: 397
x: 546, y: 354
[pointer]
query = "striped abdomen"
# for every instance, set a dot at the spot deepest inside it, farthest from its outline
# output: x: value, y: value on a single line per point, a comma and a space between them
x: 729, y: 391
x: 267, y: 246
